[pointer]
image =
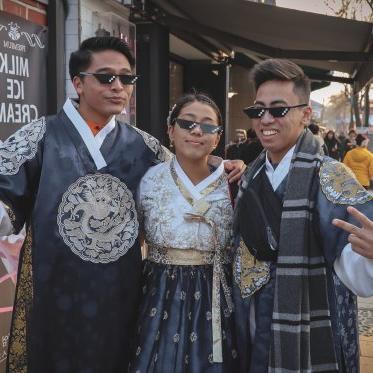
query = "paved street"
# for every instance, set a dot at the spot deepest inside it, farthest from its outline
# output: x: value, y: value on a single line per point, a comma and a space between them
x: 366, y: 334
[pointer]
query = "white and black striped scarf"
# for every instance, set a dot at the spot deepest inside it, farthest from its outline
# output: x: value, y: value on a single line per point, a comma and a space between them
x: 301, y: 332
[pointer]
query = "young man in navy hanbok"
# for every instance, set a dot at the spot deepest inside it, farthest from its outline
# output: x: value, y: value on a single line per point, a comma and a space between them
x: 71, y: 179
x: 298, y: 274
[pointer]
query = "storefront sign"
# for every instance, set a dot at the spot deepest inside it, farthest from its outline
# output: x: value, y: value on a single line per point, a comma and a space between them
x: 23, y: 73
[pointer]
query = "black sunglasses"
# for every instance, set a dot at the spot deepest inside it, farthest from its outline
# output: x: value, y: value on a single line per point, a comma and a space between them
x: 205, y: 127
x: 254, y: 112
x: 105, y: 78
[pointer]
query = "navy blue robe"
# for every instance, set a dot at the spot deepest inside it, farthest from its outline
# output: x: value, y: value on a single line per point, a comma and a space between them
x: 342, y: 301
x: 80, y: 266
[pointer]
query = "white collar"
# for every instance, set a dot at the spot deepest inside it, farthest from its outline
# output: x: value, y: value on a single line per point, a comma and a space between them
x: 86, y: 134
x: 195, y: 190
x: 104, y: 131
x: 278, y: 174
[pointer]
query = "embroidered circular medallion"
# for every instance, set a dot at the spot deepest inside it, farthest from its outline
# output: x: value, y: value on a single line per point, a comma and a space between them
x: 97, y: 218
x: 21, y: 146
x: 340, y: 185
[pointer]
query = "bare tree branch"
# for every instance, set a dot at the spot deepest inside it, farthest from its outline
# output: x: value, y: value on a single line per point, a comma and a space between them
x: 359, y: 103
x: 351, y: 8
x: 366, y: 106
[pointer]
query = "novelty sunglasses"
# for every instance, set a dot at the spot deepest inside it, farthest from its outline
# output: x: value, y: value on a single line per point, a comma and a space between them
x: 105, y: 78
x: 205, y: 127
x: 255, y: 112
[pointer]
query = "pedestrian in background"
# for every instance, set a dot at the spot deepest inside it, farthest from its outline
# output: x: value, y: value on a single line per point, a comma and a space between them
x: 234, y: 151
x: 251, y: 148
x: 360, y: 161
x: 332, y: 144
x: 350, y: 142
x: 342, y: 139
x: 315, y: 129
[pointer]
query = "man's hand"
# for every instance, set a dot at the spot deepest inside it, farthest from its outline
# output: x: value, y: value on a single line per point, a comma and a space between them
x: 234, y: 169
x: 361, y: 238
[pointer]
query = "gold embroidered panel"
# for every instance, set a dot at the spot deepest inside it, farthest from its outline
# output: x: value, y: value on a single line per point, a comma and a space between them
x: 249, y: 274
x: 340, y: 186
x: 17, y: 357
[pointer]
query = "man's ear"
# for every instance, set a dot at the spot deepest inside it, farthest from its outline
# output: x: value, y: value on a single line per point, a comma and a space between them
x: 307, y: 115
x: 78, y: 84
x: 170, y: 132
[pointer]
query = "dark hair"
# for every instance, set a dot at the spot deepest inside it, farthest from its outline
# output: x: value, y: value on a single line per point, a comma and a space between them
x: 251, y: 134
x: 314, y: 128
x: 351, y: 131
x: 81, y: 59
x: 190, y: 98
x: 360, y: 138
x: 282, y: 70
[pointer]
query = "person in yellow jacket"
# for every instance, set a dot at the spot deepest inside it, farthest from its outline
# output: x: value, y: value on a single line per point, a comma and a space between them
x: 360, y: 161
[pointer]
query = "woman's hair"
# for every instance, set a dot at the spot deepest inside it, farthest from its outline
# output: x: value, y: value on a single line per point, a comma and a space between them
x: 314, y: 128
x: 251, y: 134
x: 360, y: 139
x: 190, y: 98
x: 332, y: 132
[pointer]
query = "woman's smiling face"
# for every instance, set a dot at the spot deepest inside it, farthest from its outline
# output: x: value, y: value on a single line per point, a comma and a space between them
x: 194, y: 144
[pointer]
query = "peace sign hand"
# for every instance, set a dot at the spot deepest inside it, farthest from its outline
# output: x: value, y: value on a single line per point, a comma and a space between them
x: 361, y: 239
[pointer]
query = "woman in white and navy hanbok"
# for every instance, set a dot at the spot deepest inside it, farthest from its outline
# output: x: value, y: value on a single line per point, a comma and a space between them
x: 185, y: 321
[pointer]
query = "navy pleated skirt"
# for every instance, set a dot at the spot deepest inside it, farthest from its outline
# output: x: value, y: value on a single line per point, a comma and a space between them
x: 174, y: 330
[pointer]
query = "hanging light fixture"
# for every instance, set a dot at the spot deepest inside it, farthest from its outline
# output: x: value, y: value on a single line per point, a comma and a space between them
x: 231, y: 91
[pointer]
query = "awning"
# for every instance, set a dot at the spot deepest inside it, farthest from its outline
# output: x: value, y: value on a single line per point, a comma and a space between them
x: 261, y: 31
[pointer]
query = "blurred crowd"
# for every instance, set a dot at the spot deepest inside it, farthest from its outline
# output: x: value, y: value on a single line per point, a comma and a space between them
x: 246, y: 146
x: 351, y: 149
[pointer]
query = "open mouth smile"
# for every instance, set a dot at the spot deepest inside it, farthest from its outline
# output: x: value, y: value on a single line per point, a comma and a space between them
x: 268, y: 133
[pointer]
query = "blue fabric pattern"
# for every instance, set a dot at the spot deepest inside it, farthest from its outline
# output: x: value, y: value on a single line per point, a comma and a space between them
x: 82, y: 313
x: 174, y: 327
x: 347, y: 328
